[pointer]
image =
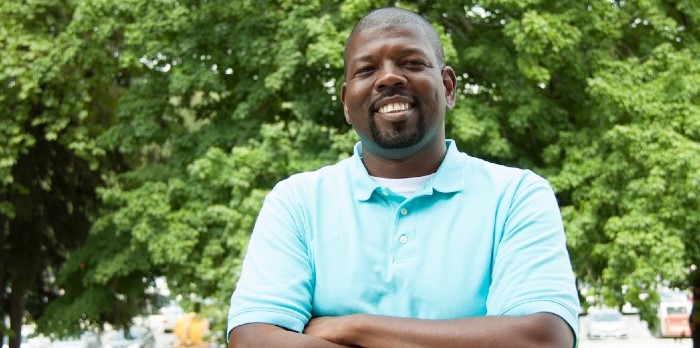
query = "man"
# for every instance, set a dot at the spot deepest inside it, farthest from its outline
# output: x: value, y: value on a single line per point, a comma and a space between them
x: 409, y: 243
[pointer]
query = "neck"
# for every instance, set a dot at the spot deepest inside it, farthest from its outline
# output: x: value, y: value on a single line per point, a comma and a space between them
x: 424, y: 162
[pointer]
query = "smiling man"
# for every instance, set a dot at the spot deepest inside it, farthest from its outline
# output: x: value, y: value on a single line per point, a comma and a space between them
x: 410, y: 242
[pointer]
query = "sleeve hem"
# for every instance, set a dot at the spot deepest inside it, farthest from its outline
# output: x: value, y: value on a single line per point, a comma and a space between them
x: 281, y: 319
x: 556, y: 308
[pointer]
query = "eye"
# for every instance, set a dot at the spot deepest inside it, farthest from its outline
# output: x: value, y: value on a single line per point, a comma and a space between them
x: 365, y: 70
x: 414, y: 64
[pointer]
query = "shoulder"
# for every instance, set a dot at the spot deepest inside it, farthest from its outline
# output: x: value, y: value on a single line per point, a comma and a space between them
x: 480, y: 173
x: 508, y: 175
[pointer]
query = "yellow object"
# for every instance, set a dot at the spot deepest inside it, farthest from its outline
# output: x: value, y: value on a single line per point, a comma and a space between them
x: 191, y: 330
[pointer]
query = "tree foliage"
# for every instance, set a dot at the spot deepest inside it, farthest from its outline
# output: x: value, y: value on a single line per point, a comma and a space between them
x: 49, y: 162
x: 189, y: 111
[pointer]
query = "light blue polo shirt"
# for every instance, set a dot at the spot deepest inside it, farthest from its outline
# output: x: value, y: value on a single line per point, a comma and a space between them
x: 478, y: 239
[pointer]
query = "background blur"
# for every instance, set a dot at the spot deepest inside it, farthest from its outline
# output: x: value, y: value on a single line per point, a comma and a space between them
x: 138, y: 139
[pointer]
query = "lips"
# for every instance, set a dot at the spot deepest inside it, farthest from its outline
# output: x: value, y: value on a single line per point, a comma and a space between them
x: 393, y: 107
x: 393, y: 104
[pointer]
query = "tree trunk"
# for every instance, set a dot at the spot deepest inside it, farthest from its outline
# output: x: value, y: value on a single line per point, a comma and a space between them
x: 695, y: 313
x: 16, y: 302
x: 4, y: 226
x: 2, y: 299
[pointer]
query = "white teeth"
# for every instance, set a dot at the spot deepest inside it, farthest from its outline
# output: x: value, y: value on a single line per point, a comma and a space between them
x: 394, y: 107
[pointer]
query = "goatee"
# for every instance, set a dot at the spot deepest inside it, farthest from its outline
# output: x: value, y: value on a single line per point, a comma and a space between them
x: 399, y: 137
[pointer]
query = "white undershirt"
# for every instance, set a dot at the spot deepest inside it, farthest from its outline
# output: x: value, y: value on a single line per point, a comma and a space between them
x: 405, y: 186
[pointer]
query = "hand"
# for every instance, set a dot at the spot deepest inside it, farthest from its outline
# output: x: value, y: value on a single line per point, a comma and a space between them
x: 332, y: 329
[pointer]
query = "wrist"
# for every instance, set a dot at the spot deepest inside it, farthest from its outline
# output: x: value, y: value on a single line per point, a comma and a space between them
x: 356, y: 329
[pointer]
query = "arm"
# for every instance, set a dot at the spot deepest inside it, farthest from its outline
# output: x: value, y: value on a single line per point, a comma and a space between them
x: 535, y: 330
x: 272, y: 300
x: 265, y: 335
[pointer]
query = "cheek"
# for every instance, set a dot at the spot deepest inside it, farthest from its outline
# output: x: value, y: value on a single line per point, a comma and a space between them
x: 438, y: 94
x: 355, y: 97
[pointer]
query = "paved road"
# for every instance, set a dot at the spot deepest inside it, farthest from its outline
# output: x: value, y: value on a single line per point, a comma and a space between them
x: 639, y: 337
x: 164, y: 339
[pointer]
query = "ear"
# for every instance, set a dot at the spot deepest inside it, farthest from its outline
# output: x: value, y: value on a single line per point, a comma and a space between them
x: 343, y: 88
x: 449, y: 80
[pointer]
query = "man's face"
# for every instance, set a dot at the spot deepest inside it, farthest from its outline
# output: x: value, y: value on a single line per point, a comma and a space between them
x: 396, y: 94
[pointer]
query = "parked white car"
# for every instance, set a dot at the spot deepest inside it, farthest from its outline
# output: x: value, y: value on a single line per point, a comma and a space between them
x: 85, y: 340
x: 170, y: 315
x: 136, y: 337
x: 606, y: 323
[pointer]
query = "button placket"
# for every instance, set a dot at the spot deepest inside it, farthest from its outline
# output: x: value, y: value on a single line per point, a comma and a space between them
x: 404, y: 233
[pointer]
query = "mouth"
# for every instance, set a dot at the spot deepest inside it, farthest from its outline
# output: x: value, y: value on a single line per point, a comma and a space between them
x: 394, y: 107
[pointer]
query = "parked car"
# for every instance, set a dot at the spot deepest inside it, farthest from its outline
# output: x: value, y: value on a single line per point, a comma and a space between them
x: 85, y: 340
x: 606, y: 323
x: 673, y: 319
x: 170, y: 315
x: 136, y: 337
x: 28, y: 340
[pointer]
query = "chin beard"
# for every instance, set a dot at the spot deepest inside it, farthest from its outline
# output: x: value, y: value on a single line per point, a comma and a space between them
x: 399, y: 137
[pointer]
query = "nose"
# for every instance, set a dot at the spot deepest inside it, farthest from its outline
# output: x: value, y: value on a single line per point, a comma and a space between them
x: 389, y: 76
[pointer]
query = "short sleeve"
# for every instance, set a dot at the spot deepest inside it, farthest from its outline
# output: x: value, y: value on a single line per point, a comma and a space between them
x: 275, y: 286
x: 532, y: 270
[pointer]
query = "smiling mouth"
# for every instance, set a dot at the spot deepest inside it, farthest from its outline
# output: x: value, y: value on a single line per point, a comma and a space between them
x: 394, y: 107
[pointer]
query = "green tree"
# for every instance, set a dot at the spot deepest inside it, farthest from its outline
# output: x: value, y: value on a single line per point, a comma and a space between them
x: 49, y: 162
x: 204, y: 134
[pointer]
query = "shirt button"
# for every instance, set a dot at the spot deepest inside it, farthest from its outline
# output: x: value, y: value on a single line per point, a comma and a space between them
x: 404, y: 211
x: 403, y: 239
x: 385, y: 192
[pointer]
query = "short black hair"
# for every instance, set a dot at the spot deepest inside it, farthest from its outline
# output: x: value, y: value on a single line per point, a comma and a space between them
x: 394, y: 16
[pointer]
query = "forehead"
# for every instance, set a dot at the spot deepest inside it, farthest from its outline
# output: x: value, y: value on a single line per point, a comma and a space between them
x: 378, y: 40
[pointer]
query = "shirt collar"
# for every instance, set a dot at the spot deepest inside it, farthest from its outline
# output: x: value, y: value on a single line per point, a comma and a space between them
x: 450, y: 175
x: 363, y: 183
x: 448, y: 178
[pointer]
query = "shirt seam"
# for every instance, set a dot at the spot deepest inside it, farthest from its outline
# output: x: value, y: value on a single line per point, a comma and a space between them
x: 540, y: 300
x: 267, y: 311
x: 303, y: 233
x: 517, y: 193
x: 574, y: 330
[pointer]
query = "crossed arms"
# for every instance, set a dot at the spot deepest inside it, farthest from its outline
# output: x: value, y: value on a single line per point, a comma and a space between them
x: 361, y: 330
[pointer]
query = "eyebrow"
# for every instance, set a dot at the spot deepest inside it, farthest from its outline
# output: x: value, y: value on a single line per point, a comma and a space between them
x: 404, y: 51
